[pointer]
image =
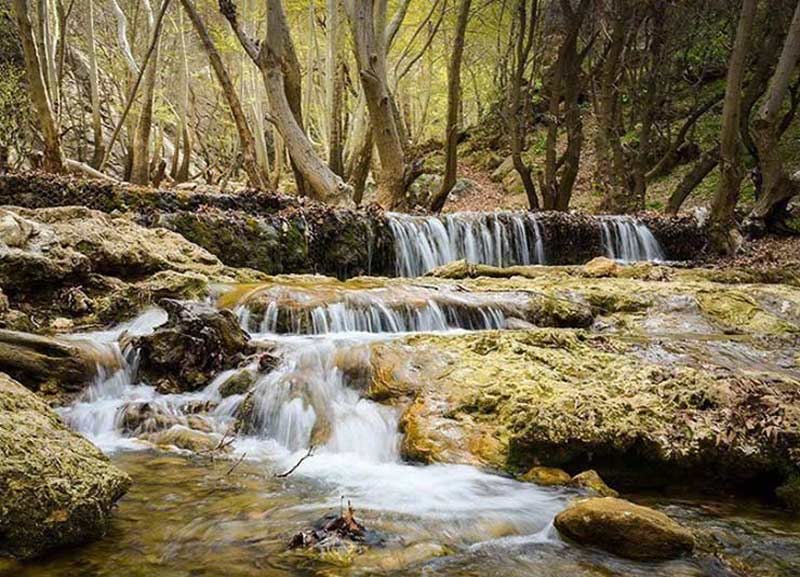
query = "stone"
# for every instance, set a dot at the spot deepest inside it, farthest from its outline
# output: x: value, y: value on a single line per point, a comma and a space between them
x: 624, y: 529
x: 601, y: 267
x: 14, y: 231
x: 140, y: 418
x: 592, y: 482
x: 789, y: 493
x: 547, y: 476
x: 238, y: 383
x: 194, y: 346
x: 186, y: 439
x: 56, y: 488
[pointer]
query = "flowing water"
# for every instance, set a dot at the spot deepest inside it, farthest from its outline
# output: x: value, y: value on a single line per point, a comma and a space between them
x: 423, y: 243
x: 193, y: 515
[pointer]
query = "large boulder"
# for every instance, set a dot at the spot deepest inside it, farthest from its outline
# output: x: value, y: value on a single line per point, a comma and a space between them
x: 56, y: 488
x: 195, y: 345
x: 624, y: 529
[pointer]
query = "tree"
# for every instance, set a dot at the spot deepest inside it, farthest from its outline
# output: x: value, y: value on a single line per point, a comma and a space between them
x: 53, y: 158
x: 368, y: 25
x: 722, y: 222
x: 257, y: 176
x: 776, y: 186
x: 270, y: 58
x: 453, y: 105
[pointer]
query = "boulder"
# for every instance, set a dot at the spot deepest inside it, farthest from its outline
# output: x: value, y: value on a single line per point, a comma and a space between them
x: 593, y: 483
x: 547, y: 476
x: 56, y: 488
x: 193, y: 347
x: 624, y: 529
x: 139, y: 418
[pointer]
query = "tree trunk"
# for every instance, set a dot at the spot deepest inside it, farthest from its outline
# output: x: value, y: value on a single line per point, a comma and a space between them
x: 453, y: 106
x: 335, y: 72
x: 140, y: 154
x: 776, y: 186
x: 368, y: 23
x: 692, y: 180
x: 258, y: 178
x: 53, y: 159
x: 97, y: 122
x: 731, y: 170
x: 325, y: 184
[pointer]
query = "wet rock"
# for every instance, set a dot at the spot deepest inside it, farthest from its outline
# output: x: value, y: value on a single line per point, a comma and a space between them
x: 140, y: 418
x: 601, y: 267
x: 196, y: 344
x: 238, y: 383
x: 187, y: 439
x: 56, y: 488
x: 336, y: 533
x: 50, y: 365
x: 390, y: 559
x: 593, y: 483
x: 624, y: 529
x: 547, y: 476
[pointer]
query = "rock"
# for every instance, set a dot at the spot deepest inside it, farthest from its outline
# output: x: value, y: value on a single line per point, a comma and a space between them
x: 601, y: 267
x: 590, y: 480
x: 193, y: 347
x: 140, y: 418
x: 547, y: 476
x: 56, y: 488
x: 789, y: 493
x: 4, y: 304
x: 50, y: 365
x: 14, y: 231
x: 238, y: 383
x: 186, y: 439
x: 514, y: 324
x: 624, y: 529
x: 391, y: 559
x: 62, y: 325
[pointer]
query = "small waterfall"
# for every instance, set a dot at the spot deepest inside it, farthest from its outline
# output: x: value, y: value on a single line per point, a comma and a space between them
x: 375, y: 317
x: 628, y: 240
x: 423, y: 243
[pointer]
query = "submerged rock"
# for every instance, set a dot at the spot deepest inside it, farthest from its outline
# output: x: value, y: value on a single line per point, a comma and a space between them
x: 624, y: 529
x: 196, y: 344
x: 56, y: 488
x: 238, y: 383
x: 188, y: 440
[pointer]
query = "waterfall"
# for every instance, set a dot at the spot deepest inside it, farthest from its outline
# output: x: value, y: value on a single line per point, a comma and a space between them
x: 628, y: 240
x: 423, y: 243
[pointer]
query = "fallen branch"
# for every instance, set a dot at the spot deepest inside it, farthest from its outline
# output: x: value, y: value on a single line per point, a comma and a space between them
x: 236, y: 464
x: 293, y: 469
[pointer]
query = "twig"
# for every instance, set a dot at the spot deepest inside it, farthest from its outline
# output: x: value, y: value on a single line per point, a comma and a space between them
x: 236, y: 464
x: 293, y: 469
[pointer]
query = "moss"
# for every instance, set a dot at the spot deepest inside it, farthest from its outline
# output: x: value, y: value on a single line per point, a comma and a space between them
x: 56, y: 488
x: 736, y: 312
x: 789, y: 493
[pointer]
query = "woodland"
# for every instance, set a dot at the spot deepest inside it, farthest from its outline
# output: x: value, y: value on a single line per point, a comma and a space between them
x: 338, y: 288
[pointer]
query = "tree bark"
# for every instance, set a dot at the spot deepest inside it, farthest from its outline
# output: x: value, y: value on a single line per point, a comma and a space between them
x: 140, y: 161
x: 258, y: 178
x: 722, y: 219
x: 776, y: 187
x: 368, y: 23
x: 703, y: 168
x: 453, y: 107
x: 335, y: 72
x: 97, y: 123
x: 53, y: 158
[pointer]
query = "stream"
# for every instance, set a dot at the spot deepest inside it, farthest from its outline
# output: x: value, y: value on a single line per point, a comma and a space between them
x: 190, y: 514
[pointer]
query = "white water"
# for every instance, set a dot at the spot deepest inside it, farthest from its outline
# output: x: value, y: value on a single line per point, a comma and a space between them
x: 357, y: 446
x: 502, y: 239
x: 423, y: 243
x: 628, y: 240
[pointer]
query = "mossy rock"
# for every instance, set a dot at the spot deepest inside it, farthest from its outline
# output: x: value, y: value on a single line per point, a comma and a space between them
x: 56, y: 488
x: 624, y: 529
x: 547, y: 476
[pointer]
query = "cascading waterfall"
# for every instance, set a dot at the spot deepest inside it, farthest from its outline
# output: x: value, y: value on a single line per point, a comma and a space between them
x: 629, y: 240
x: 423, y: 243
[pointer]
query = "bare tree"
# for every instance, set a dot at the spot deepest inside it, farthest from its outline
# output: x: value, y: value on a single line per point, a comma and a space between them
x: 53, y: 158
x: 731, y: 170
x: 256, y: 175
x: 453, y: 106
x: 776, y: 186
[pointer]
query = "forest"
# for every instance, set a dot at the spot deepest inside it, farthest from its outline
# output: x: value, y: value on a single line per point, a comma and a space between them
x: 399, y: 287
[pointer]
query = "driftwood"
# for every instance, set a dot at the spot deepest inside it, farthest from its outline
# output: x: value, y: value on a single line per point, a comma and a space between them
x: 331, y: 532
